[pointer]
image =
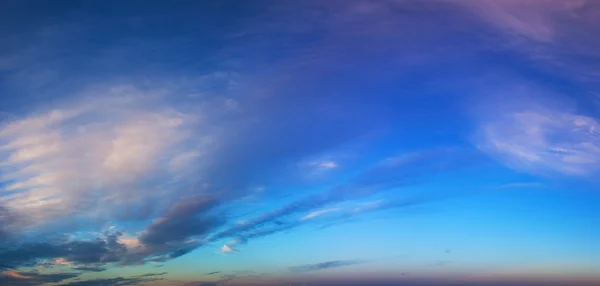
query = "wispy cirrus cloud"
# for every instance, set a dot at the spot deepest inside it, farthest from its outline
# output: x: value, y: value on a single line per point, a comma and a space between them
x: 319, y: 213
x: 557, y: 35
x: 325, y: 265
x: 111, y: 148
x: 385, y: 176
x: 530, y: 126
x: 543, y: 141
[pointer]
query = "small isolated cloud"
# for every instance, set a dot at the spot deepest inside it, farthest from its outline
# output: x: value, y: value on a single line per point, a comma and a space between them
x: 326, y: 165
x: 225, y: 249
x: 319, y: 213
x: 317, y: 168
x: 324, y: 265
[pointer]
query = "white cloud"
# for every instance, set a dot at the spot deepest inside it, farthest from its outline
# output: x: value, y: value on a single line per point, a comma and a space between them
x: 326, y: 165
x: 93, y: 155
x: 319, y: 213
x: 544, y: 140
x: 227, y: 249
x: 367, y: 206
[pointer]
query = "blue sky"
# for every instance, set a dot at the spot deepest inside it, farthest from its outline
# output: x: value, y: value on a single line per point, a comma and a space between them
x: 299, y: 142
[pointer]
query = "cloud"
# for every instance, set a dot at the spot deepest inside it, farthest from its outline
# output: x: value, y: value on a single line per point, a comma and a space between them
x: 61, y: 251
x: 8, y: 221
x: 183, y: 220
x: 129, y: 153
x: 530, y: 18
x: 325, y: 265
x: 533, y: 124
x: 319, y: 213
x: 225, y: 249
x: 30, y: 278
x: 181, y: 229
x: 544, y: 141
x: 557, y: 35
x: 380, y: 205
x: 153, y: 274
x: 327, y: 164
x: 94, y: 157
x: 90, y: 268
x: 125, y: 153
x: 384, y: 176
x: 118, y: 281
x: 12, y: 274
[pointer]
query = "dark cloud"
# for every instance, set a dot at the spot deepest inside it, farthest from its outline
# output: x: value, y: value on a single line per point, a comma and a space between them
x: 181, y: 221
x: 27, y: 278
x: 179, y: 231
x: 90, y: 268
x: 325, y: 265
x: 212, y: 273
x: 153, y: 274
x: 7, y: 222
x: 91, y: 255
x: 100, y: 250
x: 117, y: 281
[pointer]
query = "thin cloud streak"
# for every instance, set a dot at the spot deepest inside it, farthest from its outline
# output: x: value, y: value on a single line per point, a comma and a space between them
x: 325, y: 265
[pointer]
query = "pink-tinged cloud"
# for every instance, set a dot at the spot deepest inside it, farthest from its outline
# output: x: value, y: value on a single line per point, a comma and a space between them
x: 12, y: 274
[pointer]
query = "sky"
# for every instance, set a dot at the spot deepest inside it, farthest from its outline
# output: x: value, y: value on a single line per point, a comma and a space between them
x: 338, y: 142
